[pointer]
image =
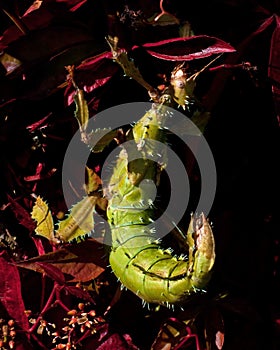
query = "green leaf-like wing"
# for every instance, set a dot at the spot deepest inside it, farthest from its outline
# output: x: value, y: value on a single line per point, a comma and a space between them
x: 79, y: 221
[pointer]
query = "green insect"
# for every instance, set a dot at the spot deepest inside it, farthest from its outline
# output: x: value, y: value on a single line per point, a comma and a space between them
x: 137, y: 258
x: 153, y: 273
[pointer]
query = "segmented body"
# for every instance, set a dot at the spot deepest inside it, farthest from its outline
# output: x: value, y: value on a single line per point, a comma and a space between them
x: 154, y: 274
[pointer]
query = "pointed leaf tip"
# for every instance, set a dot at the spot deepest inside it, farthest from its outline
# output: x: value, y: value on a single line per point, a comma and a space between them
x: 187, y: 48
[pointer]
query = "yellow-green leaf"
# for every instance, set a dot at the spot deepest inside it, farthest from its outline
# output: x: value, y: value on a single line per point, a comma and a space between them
x: 42, y: 215
x: 81, y: 113
x: 9, y: 62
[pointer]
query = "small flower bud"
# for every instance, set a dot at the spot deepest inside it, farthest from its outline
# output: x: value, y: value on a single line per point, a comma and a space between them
x: 43, y: 323
x: 12, y: 333
x: 92, y: 313
x: 60, y: 346
x: 72, y: 312
x: 81, y: 306
x: 73, y: 320
x: 27, y: 312
x: 11, y: 323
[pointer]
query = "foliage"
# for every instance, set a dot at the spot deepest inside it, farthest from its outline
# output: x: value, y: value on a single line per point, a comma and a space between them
x: 57, y: 295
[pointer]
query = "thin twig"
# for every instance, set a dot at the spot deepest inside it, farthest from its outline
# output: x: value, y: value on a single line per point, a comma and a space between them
x: 18, y: 22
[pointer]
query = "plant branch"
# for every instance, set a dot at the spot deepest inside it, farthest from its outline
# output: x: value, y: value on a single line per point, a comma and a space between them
x: 18, y: 22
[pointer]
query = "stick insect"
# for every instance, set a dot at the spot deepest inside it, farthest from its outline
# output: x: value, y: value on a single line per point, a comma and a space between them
x: 137, y: 258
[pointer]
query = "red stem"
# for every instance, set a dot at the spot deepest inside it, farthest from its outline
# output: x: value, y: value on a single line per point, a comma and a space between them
x: 55, y: 294
x: 161, y: 7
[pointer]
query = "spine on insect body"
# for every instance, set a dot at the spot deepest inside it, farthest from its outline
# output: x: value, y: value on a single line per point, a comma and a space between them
x: 153, y: 273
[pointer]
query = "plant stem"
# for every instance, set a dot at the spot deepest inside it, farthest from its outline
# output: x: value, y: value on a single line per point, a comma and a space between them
x: 17, y: 21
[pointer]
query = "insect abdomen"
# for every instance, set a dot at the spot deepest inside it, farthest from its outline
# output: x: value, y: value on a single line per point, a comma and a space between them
x: 157, y: 275
x: 137, y: 259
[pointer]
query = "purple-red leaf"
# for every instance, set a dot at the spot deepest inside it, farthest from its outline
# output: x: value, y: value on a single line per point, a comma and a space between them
x: 218, y: 84
x: 72, y: 5
x: 274, y: 66
x: 37, y: 18
x: 39, y: 124
x: 96, y: 71
x: 39, y: 245
x: 115, y: 341
x: 188, y: 48
x: 79, y: 293
x: 10, y: 291
x: 91, y: 74
x: 22, y: 215
x: 33, y: 20
x: 52, y: 271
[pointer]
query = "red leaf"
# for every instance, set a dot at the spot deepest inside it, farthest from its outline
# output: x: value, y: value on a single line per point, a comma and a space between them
x: 22, y: 215
x: 72, y: 5
x: 30, y: 51
x: 10, y: 291
x: 39, y: 245
x: 274, y: 66
x: 33, y: 20
x: 217, y: 87
x: 91, y: 74
x: 38, y: 176
x: 115, y: 341
x: 187, y: 49
x: 53, y: 272
x: 79, y: 293
x: 39, y: 18
x: 81, y: 262
x: 80, y: 271
x: 39, y: 124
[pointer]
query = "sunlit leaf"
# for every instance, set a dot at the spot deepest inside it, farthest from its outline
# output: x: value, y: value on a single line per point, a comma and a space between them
x: 79, y: 262
x: 187, y: 48
x: 80, y: 271
x: 9, y: 62
x: 81, y: 112
x: 42, y: 215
